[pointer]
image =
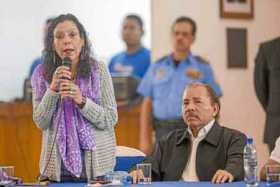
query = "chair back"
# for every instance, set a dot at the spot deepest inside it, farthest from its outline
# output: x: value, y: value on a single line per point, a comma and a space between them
x: 127, y: 157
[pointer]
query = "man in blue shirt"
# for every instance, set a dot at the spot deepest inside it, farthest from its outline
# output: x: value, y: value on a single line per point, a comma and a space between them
x: 136, y: 59
x: 164, y: 83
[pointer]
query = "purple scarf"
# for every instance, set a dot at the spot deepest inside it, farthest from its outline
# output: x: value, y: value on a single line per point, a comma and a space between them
x: 74, y: 132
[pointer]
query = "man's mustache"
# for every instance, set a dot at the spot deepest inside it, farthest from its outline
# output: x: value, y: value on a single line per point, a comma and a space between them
x: 191, y: 114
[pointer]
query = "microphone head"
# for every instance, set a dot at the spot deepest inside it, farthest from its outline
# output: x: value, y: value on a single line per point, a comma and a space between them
x: 66, y: 62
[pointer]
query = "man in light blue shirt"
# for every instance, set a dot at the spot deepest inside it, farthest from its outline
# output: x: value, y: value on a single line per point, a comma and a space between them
x: 135, y: 60
x: 164, y: 83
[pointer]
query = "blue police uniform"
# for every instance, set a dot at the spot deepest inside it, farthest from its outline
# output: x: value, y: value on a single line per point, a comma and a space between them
x: 165, y: 82
x: 132, y: 63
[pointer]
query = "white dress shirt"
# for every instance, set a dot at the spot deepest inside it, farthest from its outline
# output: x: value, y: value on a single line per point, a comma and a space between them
x: 275, y: 154
x: 189, y: 173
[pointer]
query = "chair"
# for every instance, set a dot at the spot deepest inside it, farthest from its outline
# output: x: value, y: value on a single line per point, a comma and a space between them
x: 127, y: 157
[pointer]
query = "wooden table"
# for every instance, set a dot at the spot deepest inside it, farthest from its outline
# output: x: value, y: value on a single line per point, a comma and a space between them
x: 20, y: 139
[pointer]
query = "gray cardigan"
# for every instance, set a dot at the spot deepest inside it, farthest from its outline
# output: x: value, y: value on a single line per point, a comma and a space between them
x: 103, y: 118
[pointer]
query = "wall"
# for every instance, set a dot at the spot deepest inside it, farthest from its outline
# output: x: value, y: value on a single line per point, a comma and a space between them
x: 21, y: 27
x: 240, y: 108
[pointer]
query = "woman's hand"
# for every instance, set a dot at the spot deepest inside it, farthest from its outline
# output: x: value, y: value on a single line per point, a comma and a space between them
x: 62, y: 72
x: 68, y: 89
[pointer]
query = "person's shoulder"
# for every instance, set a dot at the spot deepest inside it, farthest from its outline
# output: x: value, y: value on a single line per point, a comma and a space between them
x: 119, y: 54
x: 97, y: 64
x: 233, y: 132
x: 34, y: 64
x: 161, y: 59
x: 38, y: 73
x: 271, y: 43
x: 146, y: 50
x: 116, y: 56
x: 201, y: 60
x: 38, y: 69
x: 37, y: 60
x: 174, y: 136
x: 144, y: 54
x: 159, y: 63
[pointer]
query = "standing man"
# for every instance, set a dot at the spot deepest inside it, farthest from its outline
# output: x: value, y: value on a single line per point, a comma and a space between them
x: 267, y: 87
x: 135, y: 60
x: 164, y: 83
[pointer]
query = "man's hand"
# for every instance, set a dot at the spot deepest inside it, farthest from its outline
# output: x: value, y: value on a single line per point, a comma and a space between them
x: 222, y: 176
x: 134, y: 176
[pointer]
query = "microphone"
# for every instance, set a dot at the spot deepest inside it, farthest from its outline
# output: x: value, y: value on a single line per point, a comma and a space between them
x: 67, y: 62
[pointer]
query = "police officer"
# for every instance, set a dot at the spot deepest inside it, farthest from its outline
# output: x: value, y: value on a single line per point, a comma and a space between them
x: 164, y: 83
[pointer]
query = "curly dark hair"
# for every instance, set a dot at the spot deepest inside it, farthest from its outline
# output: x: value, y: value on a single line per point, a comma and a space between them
x: 51, y: 58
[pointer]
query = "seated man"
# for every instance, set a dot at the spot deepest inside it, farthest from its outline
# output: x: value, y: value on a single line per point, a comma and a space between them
x: 205, y: 151
x: 273, y: 160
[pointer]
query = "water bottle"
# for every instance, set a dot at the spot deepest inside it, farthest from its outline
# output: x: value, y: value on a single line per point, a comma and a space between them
x: 250, y: 164
x: 119, y: 178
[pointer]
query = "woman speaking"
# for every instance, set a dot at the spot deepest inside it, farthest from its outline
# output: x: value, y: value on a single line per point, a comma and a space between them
x: 74, y: 106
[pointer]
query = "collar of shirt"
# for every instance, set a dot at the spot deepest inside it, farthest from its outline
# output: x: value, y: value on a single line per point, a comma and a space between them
x: 188, y: 59
x: 203, y: 131
x: 189, y: 173
x: 134, y: 53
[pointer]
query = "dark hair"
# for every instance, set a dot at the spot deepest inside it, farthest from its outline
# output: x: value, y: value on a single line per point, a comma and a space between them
x: 46, y: 26
x: 52, y: 60
x: 136, y: 18
x: 49, y: 20
x: 214, y: 99
x: 212, y: 95
x: 186, y: 20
